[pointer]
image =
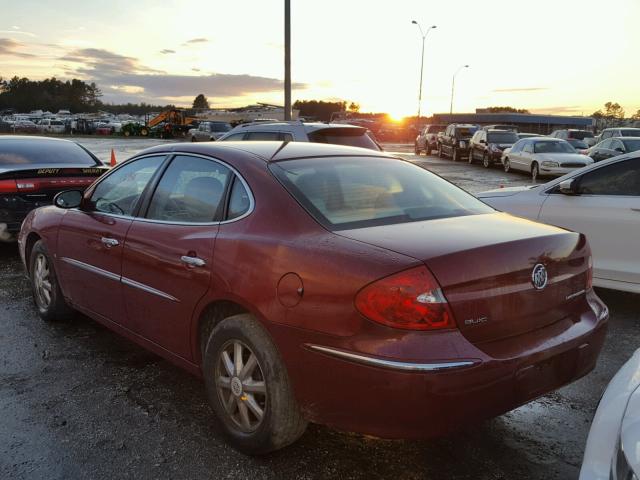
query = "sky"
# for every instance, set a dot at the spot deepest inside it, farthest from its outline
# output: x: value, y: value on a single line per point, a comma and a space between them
x: 548, y: 56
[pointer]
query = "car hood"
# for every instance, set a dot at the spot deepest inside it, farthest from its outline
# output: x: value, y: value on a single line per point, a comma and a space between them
x: 564, y: 157
x: 505, y: 192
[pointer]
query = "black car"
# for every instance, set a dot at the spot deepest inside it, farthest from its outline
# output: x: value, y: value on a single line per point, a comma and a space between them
x: 34, y: 169
x: 612, y: 147
x: 488, y: 145
x: 454, y: 142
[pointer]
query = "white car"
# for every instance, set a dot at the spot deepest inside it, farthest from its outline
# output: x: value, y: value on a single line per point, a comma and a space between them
x: 613, y: 445
x: 543, y: 156
x: 49, y: 125
x: 602, y: 201
x: 297, y: 131
x: 208, y: 131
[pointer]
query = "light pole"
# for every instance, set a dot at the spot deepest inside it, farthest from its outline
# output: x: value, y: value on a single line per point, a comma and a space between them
x: 424, y: 35
x: 453, y: 84
x: 287, y: 59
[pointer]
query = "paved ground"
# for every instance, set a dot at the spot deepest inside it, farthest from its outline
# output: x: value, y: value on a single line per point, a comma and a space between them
x: 78, y: 401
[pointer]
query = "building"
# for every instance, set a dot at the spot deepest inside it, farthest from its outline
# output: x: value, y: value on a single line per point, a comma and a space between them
x: 526, y: 122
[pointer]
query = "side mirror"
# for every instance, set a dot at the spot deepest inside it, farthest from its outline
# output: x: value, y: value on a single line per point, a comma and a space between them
x: 68, y: 199
x: 620, y: 149
x: 483, y: 141
x: 568, y: 187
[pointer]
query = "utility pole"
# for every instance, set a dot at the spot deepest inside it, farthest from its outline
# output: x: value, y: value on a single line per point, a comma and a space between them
x: 287, y: 59
x: 424, y: 36
x: 453, y: 84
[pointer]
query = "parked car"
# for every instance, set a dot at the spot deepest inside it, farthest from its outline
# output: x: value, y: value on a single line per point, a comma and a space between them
x: 511, y: 128
x: 33, y: 170
x: 488, y: 145
x: 320, y: 283
x: 612, y: 147
x: 427, y: 140
x: 580, y: 145
x: 618, y: 132
x: 24, y: 126
x: 522, y: 135
x: 573, y: 133
x: 613, y: 445
x: 334, y: 133
x: 48, y: 125
x: 543, y: 156
x: 602, y: 201
x: 454, y: 141
x: 208, y: 131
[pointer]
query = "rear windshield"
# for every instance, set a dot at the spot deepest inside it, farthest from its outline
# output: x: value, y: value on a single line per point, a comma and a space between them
x: 436, y: 128
x: 630, y: 132
x: 553, y: 147
x: 220, y: 127
x: 26, y: 151
x: 353, y: 137
x: 580, y: 134
x: 575, y: 143
x: 502, y: 137
x: 465, y: 132
x: 357, y: 192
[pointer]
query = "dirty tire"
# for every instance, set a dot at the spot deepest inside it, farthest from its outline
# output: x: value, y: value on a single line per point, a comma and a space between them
x: 282, y: 423
x: 535, y: 171
x: 470, y: 158
x: 455, y: 156
x: 440, y: 154
x: 55, y: 309
x: 416, y: 149
x: 506, y: 165
x: 486, y: 163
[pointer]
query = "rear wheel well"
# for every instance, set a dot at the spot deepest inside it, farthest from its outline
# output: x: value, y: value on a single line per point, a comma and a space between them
x: 211, y: 316
x: 32, y: 238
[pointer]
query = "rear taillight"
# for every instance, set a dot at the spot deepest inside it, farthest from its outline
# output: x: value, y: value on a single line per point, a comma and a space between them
x: 590, y: 273
x: 8, y: 186
x: 411, y: 300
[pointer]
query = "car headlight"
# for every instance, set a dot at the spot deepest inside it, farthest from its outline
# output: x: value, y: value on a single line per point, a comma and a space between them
x: 463, y: 144
x: 620, y: 468
x: 547, y: 163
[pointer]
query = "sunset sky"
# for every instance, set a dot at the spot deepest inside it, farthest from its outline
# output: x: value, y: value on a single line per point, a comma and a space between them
x: 560, y: 56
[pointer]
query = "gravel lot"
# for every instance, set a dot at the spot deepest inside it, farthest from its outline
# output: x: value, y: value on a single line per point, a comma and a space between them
x: 80, y: 402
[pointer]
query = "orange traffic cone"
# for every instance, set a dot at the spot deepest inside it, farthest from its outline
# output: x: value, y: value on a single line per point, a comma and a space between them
x: 113, y: 158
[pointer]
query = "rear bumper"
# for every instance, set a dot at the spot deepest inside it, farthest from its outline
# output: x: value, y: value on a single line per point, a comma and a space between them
x: 393, y: 402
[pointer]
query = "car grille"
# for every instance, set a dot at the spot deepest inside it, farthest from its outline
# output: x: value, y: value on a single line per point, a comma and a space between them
x: 572, y: 165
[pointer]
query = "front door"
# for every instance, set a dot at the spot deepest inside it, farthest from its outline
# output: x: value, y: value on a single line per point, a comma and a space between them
x: 168, y: 254
x: 90, y: 240
x: 607, y: 211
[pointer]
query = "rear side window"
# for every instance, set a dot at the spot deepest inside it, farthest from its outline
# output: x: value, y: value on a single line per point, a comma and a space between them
x: 354, y: 137
x: 630, y: 132
x: 356, y: 192
x: 233, y: 138
x: 267, y: 136
x: 239, y: 202
x: 191, y: 191
x: 21, y: 153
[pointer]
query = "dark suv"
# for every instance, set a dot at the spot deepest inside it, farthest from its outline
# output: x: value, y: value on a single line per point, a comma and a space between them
x: 488, y: 145
x: 454, y: 142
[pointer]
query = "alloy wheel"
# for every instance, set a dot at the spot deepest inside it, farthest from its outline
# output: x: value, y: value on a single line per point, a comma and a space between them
x: 42, y: 281
x: 534, y: 172
x: 241, y: 386
x: 485, y: 161
x: 507, y: 166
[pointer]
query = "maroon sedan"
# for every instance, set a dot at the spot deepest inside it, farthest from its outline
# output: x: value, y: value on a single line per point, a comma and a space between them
x: 320, y: 283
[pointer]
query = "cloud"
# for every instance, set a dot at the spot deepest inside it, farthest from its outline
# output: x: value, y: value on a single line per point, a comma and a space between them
x: 195, y: 69
x: 196, y: 40
x: 9, y: 48
x: 521, y: 89
x: 97, y: 60
x: 573, y: 109
x: 166, y: 51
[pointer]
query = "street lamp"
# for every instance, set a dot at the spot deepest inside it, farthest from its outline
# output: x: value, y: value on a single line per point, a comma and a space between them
x: 453, y: 84
x: 424, y: 35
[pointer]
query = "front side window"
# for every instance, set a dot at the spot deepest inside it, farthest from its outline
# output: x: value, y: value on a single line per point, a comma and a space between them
x: 518, y: 146
x: 606, y: 134
x: 191, y: 190
x: 621, y: 178
x: 528, y: 147
x: 233, y: 138
x: 357, y: 192
x: 120, y: 190
x: 631, y: 145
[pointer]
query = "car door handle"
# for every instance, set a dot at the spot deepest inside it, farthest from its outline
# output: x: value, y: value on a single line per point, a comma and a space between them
x: 193, y: 261
x: 110, y: 242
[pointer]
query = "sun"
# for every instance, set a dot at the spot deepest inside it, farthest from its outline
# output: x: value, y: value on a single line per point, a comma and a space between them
x: 396, y: 117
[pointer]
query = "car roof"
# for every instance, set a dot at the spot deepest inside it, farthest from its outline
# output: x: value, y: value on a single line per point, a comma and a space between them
x: 34, y: 138
x: 267, y: 151
x: 308, y: 126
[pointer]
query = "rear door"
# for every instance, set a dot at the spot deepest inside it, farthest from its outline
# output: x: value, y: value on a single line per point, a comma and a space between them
x: 607, y: 211
x: 90, y: 240
x: 168, y: 253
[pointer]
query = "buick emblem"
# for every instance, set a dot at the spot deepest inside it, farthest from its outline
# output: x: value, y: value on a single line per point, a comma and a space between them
x: 539, y: 276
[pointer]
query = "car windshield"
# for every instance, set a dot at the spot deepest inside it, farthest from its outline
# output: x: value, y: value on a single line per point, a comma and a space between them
x: 630, y: 132
x: 502, y: 137
x: 353, y: 137
x: 220, y: 127
x: 575, y: 143
x: 20, y: 152
x: 358, y: 192
x: 553, y: 147
x: 465, y: 132
x: 580, y: 134
x: 631, y: 145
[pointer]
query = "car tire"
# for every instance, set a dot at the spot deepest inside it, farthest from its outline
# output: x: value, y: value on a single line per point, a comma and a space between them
x: 238, y: 409
x: 470, y: 158
x: 535, y: 171
x: 486, y: 162
x: 507, y: 165
x: 193, y: 139
x: 455, y: 156
x: 440, y: 153
x: 45, y: 288
x: 416, y: 149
